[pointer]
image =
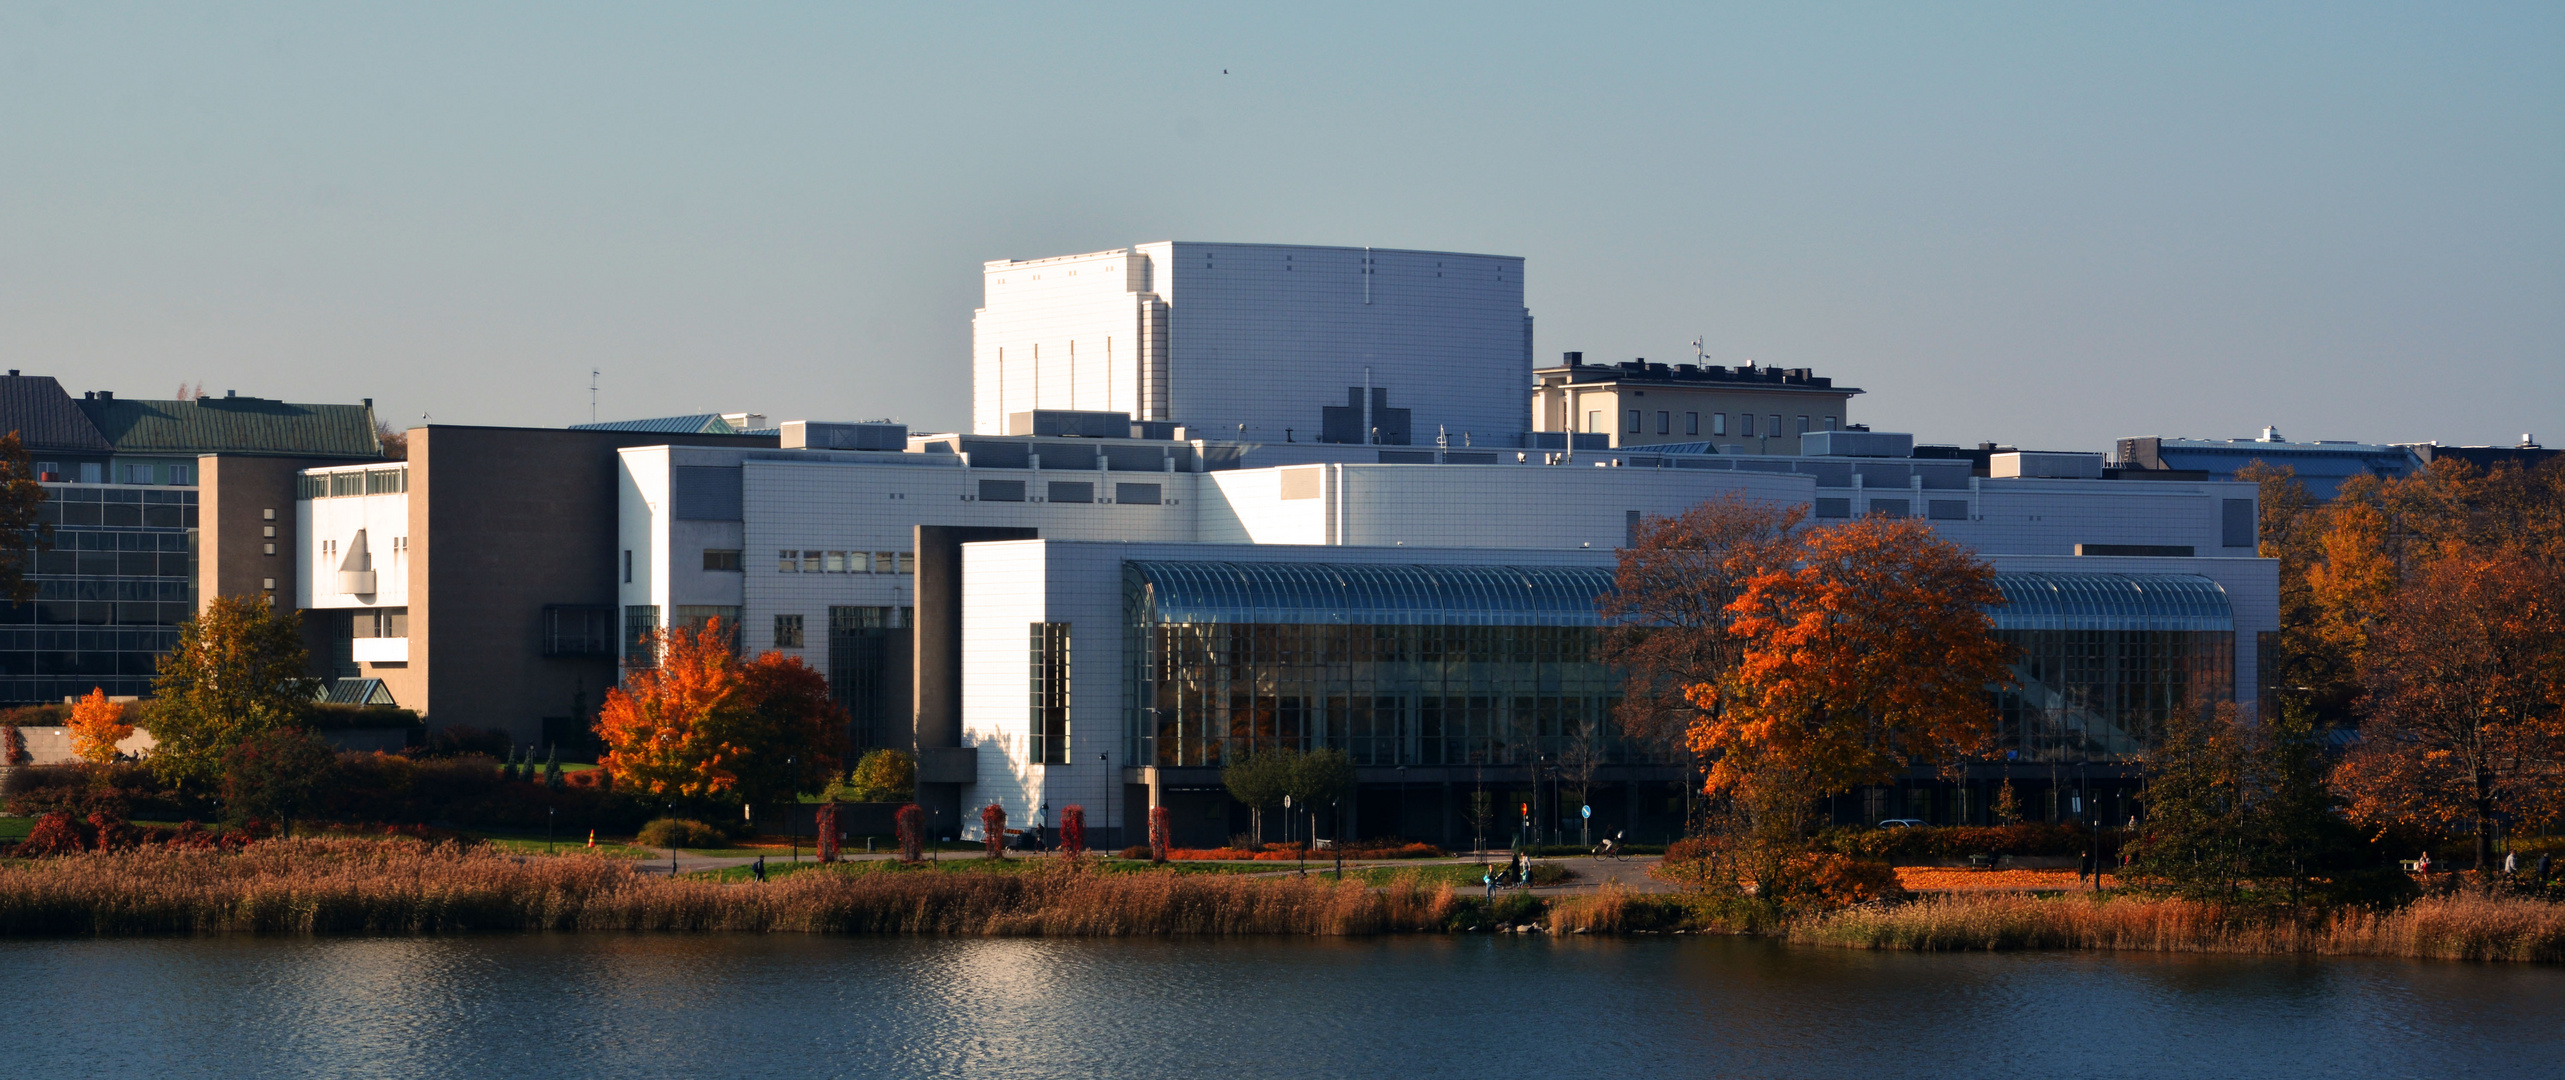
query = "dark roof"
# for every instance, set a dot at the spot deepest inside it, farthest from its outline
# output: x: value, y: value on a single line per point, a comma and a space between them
x: 37, y: 408
x: 234, y: 425
x: 698, y: 424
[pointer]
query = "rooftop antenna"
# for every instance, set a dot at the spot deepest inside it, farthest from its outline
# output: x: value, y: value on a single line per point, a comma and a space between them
x: 592, y: 394
x: 1700, y: 355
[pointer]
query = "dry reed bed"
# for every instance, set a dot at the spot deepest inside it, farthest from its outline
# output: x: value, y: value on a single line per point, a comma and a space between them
x: 399, y: 887
x: 2452, y: 928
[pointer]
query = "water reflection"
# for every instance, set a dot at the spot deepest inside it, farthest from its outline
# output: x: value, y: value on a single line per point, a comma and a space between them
x: 801, y: 1006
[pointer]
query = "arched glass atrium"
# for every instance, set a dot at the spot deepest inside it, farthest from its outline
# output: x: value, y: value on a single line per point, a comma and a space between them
x: 1459, y: 665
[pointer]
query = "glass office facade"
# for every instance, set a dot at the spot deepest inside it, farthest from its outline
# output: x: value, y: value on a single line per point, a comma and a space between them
x: 2105, y: 659
x: 1396, y: 665
x: 1458, y: 665
x: 110, y: 593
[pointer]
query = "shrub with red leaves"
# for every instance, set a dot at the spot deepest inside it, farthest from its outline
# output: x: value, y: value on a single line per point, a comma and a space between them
x: 911, y: 822
x: 54, y: 834
x: 993, y: 829
x: 1073, y: 831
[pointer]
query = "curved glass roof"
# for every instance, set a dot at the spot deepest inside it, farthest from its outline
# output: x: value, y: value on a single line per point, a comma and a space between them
x: 2112, y: 602
x: 1392, y: 594
x: 1373, y: 594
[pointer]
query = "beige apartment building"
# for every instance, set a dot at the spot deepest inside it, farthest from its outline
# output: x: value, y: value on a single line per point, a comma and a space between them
x: 1740, y: 410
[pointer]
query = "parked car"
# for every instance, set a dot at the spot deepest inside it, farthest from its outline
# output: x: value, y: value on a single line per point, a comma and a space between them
x: 1903, y: 823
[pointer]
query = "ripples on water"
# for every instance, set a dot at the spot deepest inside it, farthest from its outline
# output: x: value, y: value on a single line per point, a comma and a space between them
x: 788, y: 1006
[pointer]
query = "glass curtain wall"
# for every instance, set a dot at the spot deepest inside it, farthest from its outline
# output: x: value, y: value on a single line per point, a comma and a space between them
x: 1433, y: 665
x: 110, y: 594
x: 2105, y: 659
x: 1396, y: 665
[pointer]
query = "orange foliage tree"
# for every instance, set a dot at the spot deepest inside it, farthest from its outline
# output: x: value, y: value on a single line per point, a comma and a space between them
x: 1868, y: 650
x: 705, y: 726
x: 1667, y: 614
x: 97, y: 725
x: 668, y: 729
x: 2465, y: 677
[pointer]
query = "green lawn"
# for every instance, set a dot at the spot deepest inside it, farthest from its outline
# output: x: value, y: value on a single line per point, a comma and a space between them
x: 569, y: 846
x: 13, y: 829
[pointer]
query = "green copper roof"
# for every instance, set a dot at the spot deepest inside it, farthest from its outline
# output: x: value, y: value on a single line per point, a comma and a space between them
x: 234, y: 425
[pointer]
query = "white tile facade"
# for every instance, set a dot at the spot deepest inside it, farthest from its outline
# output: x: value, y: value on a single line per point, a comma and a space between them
x: 1251, y: 341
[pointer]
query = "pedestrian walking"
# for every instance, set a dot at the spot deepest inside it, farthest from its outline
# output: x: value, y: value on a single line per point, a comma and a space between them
x: 2542, y: 867
x: 759, y: 870
x: 2511, y: 864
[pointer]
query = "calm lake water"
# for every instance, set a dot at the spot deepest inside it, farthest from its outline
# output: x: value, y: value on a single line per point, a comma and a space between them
x: 721, y: 1006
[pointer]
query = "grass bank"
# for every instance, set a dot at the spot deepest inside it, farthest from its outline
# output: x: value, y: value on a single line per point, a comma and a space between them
x: 2452, y: 928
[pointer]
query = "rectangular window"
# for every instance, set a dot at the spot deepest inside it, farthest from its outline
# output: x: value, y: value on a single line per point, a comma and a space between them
x: 1774, y: 429
x: 89, y: 472
x: 836, y: 562
x: 1946, y: 509
x: 1593, y: 421
x: 1633, y: 427
x: 2236, y: 525
x: 1830, y: 423
x: 718, y: 559
x: 1888, y: 507
x: 640, y: 621
x: 1803, y: 425
x: 1718, y: 423
x: 811, y: 562
x: 48, y: 470
x: 788, y: 631
x: 1692, y: 423
x: 1834, y: 508
x: 859, y: 562
x: 1049, y: 723
x: 1665, y: 423
x: 788, y: 562
x: 1072, y: 491
x: 178, y: 475
x: 908, y: 562
x: 1143, y: 494
x: 381, y: 623
x: 1001, y: 491
x: 627, y: 566
x: 886, y: 562
x: 1746, y: 425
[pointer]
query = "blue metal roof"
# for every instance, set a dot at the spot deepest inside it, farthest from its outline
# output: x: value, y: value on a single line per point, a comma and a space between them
x: 698, y: 424
x: 1389, y: 594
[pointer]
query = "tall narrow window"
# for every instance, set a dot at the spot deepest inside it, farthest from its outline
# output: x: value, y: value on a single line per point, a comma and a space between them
x: 1745, y: 425
x: 1049, y: 725
x: 788, y: 631
x: 1774, y: 430
x: 1718, y: 423
x: 1665, y: 422
x: 627, y: 566
x: 1692, y: 423
x: 1593, y: 421
x: 1803, y: 425
x: 1634, y: 421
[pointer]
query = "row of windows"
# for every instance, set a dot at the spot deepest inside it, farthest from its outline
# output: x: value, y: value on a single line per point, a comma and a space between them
x: 1636, y: 423
x: 352, y: 482
x: 1936, y: 509
x: 1071, y: 491
x: 803, y: 561
x: 91, y: 472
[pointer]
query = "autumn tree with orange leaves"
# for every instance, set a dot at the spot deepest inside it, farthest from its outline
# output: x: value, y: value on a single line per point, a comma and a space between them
x: 97, y: 725
x: 2465, y: 677
x: 1867, y: 650
x: 1666, y: 618
x: 705, y: 726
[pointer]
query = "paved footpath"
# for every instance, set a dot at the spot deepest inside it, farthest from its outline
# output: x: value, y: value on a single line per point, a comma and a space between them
x: 1591, y: 873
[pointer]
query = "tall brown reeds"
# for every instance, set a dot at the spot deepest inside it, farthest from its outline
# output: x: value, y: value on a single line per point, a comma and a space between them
x: 405, y: 887
x: 2469, y: 927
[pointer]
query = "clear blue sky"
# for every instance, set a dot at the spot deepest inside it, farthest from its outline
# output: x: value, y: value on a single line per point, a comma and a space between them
x: 2048, y: 224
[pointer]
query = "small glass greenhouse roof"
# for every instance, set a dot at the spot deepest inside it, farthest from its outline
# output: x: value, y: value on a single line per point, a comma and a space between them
x: 1390, y: 594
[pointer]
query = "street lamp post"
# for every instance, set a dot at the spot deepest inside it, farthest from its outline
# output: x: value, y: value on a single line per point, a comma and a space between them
x: 547, y: 831
x: 1112, y: 791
